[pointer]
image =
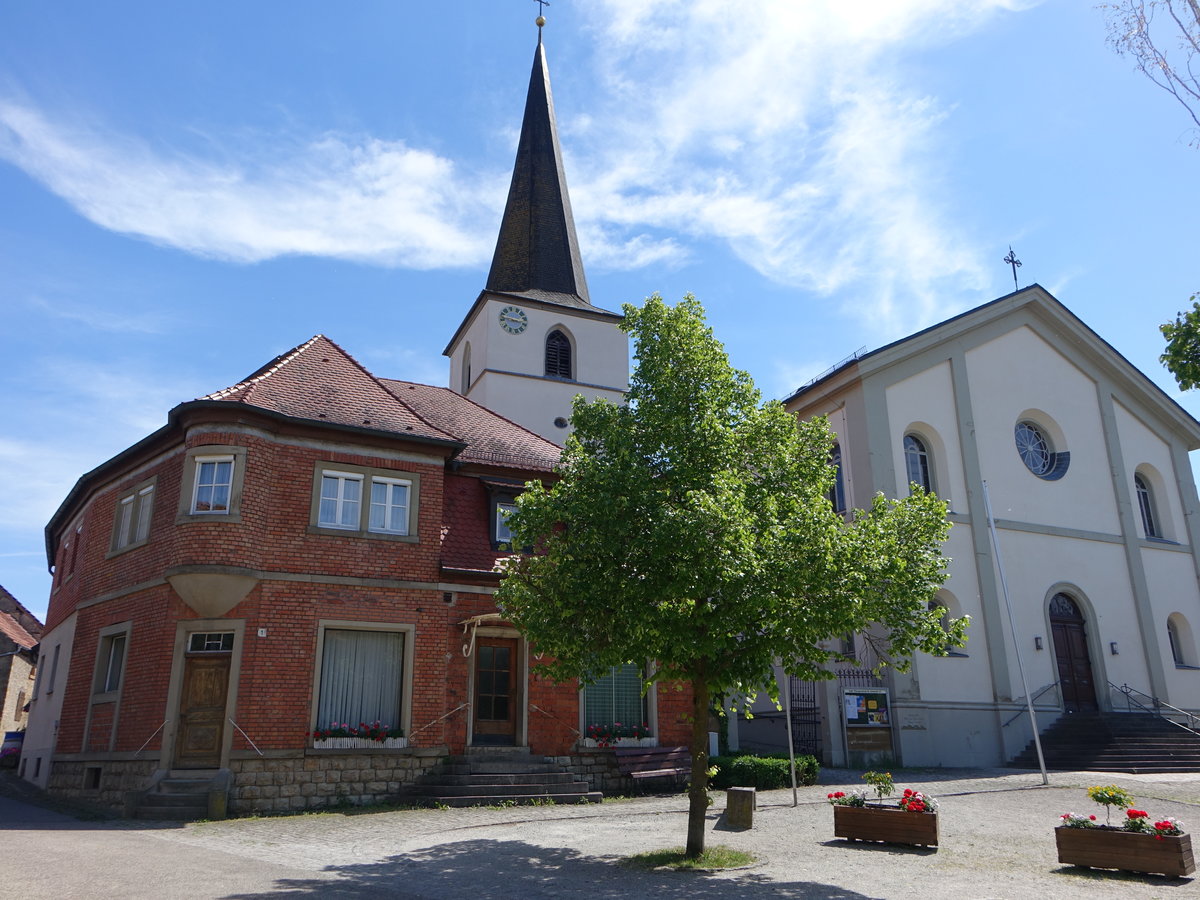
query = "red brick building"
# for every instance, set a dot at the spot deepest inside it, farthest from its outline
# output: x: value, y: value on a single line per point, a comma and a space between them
x: 316, y: 546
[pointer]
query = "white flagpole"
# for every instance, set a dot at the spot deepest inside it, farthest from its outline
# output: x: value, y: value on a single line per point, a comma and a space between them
x: 784, y: 682
x: 1037, y: 739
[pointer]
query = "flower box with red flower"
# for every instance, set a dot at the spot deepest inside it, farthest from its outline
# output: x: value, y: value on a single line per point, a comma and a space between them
x: 373, y: 736
x: 1141, y: 844
x: 1115, y: 848
x: 913, y: 821
x: 617, y: 735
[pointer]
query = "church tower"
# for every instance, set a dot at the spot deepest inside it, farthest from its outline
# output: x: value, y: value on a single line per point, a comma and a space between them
x: 533, y: 340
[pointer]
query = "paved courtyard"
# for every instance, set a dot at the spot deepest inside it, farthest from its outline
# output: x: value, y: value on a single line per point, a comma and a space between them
x: 996, y: 833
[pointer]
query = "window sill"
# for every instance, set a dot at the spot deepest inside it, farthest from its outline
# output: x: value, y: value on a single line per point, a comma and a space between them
x: 369, y: 535
x: 185, y: 518
x: 1187, y: 667
x: 117, y: 551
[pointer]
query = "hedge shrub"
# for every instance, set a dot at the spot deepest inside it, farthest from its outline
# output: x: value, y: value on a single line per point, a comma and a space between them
x: 763, y: 772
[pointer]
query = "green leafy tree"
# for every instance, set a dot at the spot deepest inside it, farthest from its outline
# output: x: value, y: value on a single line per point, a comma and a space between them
x: 690, y: 526
x: 1182, y: 356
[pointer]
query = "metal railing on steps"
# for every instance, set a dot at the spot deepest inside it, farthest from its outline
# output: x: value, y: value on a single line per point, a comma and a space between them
x: 1139, y: 701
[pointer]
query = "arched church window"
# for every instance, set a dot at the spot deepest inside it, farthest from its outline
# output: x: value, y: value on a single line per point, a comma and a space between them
x: 466, y: 370
x: 558, y: 355
x: 837, y: 493
x: 917, y: 463
x: 1145, y: 501
x: 1176, y: 643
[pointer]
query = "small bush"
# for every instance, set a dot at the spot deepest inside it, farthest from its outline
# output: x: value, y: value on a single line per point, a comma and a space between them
x: 763, y: 772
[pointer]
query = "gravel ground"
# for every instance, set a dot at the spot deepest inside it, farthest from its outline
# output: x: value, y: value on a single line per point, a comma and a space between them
x: 996, y: 842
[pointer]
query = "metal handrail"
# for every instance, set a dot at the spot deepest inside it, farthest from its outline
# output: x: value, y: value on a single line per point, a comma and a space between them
x: 149, y: 739
x: 534, y: 706
x: 439, y: 718
x: 1156, y: 708
x: 246, y: 736
x: 1031, y: 699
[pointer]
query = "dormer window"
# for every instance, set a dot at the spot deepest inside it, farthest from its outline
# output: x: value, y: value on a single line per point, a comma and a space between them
x: 558, y: 355
x: 503, y: 510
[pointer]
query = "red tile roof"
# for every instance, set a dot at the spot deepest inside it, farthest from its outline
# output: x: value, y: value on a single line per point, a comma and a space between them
x: 11, y: 629
x: 320, y: 381
x: 27, y: 620
x: 491, y: 439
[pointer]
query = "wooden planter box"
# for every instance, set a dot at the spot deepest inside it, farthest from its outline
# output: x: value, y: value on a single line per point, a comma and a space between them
x: 1104, y: 848
x: 885, y: 823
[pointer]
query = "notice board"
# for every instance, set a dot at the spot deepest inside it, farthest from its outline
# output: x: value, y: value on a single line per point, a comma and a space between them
x: 866, y: 707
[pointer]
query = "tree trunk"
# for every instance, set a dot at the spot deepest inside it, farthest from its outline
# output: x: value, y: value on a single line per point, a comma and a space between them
x: 698, y: 790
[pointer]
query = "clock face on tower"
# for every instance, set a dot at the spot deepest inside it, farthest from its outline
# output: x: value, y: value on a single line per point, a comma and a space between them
x: 513, y: 319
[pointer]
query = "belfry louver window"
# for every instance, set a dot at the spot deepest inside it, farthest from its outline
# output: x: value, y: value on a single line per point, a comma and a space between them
x: 558, y: 355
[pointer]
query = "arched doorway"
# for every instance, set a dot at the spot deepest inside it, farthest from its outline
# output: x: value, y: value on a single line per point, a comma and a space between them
x: 1071, y: 653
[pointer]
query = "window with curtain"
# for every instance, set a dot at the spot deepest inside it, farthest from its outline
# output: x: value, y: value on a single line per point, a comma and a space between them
x: 616, y: 697
x: 361, y: 678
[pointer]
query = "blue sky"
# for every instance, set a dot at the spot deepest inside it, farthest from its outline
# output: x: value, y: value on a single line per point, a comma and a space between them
x: 188, y: 190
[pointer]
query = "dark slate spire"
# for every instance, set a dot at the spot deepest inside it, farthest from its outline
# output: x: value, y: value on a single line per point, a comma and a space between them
x: 537, y: 252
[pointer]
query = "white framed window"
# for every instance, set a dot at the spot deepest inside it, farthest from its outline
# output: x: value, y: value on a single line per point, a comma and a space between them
x: 616, y: 699
x: 503, y: 511
x: 110, y: 662
x: 213, y: 477
x: 364, y: 501
x: 341, y: 500
x: 210, y: 642
x: 132, y: 525
x: 389, y: 505
x: 364, y: 676
x: 213, y: 487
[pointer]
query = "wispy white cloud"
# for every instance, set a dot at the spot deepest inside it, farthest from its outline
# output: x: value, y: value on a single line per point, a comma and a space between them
x: 113, y: 406
x: 336, y: 196
x: 788, y: 131
x: 101, y: 319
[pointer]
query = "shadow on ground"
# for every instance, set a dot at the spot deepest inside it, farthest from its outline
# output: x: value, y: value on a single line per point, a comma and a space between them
x: 502, y: 869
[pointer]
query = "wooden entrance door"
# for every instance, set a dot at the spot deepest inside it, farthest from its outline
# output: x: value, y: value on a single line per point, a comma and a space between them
x: 496, y: 696
x: 1071, y: 653
x: 202, y: 711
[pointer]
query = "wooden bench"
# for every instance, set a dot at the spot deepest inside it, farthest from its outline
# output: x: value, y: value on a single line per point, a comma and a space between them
x: 653, y: 762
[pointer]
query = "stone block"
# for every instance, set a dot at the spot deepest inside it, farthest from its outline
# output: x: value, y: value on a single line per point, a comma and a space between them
x: 739, y: 807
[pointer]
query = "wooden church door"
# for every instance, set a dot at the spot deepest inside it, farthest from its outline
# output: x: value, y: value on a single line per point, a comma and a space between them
x: 1071, y: 653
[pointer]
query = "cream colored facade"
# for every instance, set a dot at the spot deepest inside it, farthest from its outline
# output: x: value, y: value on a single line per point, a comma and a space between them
x: 505, y: 371
x: 961, y: 388
x: 20, y: 674
x: 49, y: 688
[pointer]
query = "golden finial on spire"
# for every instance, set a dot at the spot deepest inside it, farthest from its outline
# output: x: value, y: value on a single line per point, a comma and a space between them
x: 541, y: 20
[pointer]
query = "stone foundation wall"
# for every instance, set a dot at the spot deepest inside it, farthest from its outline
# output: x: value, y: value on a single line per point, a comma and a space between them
x: 326, y: 778
x: 104, y: 786
x: 599, y: 769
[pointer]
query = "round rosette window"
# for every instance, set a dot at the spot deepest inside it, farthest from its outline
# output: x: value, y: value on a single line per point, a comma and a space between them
x: 1038, y: 453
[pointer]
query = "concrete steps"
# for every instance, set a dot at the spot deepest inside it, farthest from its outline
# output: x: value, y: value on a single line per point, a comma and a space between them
x: 499, y: 778
x: 1114, y: 742
x: 182, y: 795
